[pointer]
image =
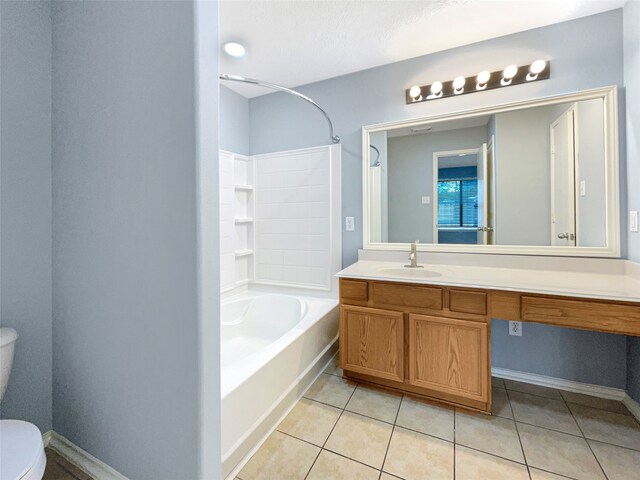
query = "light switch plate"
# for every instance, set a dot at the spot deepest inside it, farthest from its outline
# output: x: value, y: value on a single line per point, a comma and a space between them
x: 349, y: 224
x: 583, y: 188
x: 633, y: 220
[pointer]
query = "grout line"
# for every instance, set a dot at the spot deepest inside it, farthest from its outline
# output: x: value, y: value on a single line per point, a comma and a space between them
x: 393, y: 429
x: 524, y: 455
x: 557, y: 474
x: 332, y: 429
x: 585, y: 438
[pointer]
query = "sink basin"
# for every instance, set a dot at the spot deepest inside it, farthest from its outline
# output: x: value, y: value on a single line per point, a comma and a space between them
x: 410, y: 272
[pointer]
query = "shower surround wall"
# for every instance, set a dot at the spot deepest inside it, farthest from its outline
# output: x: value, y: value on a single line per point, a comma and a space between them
x: 280, y: 219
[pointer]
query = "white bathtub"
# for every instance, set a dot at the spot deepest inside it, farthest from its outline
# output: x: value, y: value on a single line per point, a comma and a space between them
x: 272, y: 346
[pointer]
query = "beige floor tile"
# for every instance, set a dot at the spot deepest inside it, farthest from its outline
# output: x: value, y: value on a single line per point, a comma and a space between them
x: 618, y: 463
x: 414, y: 456
x: 542, y: 475
x: 474, y: 465
x: 595, y: 402
x: 281, y: 456
x: 559, y: 453
x: 379, y: 404
x: 426, y: 418
x: 386, y: 476
x: 310, y: 421
x: 532, y: 389
x: 494, y: 435
x: 543, y: 412
x: 360, y: 438
x: 330, y: 466
x: 497, y: 383
x: 608, y: 427
x: 500, y: 405
x: 330, y: 389
x: 334, y: 366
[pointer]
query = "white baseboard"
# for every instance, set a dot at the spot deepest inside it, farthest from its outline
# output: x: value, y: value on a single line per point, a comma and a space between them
x: 80, y: 458
x: 632, y: 406
x: 559, y: 383
x: 571, y: 386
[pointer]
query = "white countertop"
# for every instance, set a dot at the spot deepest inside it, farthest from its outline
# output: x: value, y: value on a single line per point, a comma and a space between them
x: 607, y: 285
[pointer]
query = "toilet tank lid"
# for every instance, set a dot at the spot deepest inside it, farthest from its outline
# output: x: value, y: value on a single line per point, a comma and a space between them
x: 7, y: 336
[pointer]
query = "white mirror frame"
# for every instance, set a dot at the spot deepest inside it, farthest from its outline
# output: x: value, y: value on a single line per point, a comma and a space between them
x: 612, y: 183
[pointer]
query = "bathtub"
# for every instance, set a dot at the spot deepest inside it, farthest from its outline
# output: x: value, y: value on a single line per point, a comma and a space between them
x: 272, y: 346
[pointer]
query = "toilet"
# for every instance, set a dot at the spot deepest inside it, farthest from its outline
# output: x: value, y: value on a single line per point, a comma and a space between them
x: 22, y: 455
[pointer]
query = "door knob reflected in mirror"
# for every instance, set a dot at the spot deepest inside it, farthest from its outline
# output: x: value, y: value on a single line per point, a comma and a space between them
x: 566, y: 236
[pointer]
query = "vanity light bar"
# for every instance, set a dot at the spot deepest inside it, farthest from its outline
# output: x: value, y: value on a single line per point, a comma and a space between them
x: 485, y: 80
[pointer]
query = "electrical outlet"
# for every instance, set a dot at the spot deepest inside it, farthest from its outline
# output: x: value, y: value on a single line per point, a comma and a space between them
x: 426, y: 200
x: 349, y: 224
x: 515, y: 328
x: 633, y: 220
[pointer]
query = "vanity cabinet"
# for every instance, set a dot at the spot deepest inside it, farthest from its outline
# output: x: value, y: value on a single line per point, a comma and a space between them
x: 426, y: 340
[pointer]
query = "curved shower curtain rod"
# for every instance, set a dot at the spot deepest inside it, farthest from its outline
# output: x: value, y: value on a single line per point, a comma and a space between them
x: 273, y: 86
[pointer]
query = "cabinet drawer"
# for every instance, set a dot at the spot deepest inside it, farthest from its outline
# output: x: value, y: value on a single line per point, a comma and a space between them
x: 586, y: 315
x: 467, y: 301
x: 372, y: 342
x: 407, y: 296
x: 355, y: 290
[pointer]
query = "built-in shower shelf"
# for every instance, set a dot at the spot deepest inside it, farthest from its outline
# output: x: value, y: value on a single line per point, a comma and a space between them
x: 246, y: 188
x: 244, y: 220
x: 243, y: 252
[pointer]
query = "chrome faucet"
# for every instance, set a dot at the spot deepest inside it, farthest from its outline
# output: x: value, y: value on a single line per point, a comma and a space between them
x: 413, y: 256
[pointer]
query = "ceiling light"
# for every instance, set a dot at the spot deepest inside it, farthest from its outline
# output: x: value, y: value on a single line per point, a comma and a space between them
x: 234, y: 49
x: 420, y: 129
x: 436, y: 88
x: 415, y: 92
x: 482, y: 79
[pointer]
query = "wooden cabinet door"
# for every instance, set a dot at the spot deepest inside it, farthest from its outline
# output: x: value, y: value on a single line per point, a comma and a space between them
x: 372, y: 342
x: 449, y: 356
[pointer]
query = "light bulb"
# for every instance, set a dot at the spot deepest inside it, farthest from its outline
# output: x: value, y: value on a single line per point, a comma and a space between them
x: 482, y: 79
x: 459, y: 82
x: 234, y: 49
x: 415, y: 91
x: 509, y: 72
x: 537, y: 67
x: 436, y: 88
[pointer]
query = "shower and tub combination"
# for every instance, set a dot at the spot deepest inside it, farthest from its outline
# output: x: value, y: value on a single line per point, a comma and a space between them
x: 280, y: 246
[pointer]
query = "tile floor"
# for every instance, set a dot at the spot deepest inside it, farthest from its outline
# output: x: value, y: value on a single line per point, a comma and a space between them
x: 60, y: 469
x: 342, y: 430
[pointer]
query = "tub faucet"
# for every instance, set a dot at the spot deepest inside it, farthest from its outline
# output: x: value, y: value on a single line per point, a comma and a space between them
x: 413, y: 256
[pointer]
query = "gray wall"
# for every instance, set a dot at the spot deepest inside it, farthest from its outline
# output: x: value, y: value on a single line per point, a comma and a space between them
x: 411, y: 177
x: 632, y: 93
x: 127, y: 384
x: 581, y: 356
x: 585, y: 53
x: 522, y: 178
x: 234, y: 124
x: 25, y: 238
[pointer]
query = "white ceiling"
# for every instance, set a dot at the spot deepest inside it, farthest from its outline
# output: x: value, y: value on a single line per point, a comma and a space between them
x: 295, y: 42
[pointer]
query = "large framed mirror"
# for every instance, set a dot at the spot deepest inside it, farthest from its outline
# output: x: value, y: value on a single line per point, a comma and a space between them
x: 538, y: 177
